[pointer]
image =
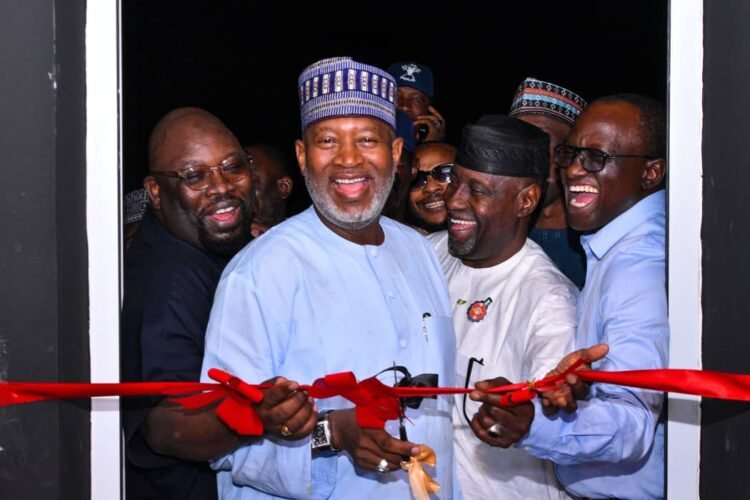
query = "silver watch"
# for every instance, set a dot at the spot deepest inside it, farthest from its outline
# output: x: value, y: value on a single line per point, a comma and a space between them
x: 321, y: 439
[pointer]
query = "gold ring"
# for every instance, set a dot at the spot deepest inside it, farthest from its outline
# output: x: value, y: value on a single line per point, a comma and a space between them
x: 285, y: 431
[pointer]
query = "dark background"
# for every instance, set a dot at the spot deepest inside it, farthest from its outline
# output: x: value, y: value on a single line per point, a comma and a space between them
x: 725, y: 440
x: 240, y: 59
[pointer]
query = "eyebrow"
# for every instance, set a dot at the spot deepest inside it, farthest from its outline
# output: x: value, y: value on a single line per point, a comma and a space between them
x: 189, y: 162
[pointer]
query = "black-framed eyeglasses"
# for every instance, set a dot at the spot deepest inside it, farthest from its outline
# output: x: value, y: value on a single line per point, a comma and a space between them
x: 441, y: 173
x: 198, y: 177
x: 592, y: 160
x: 472, y: 360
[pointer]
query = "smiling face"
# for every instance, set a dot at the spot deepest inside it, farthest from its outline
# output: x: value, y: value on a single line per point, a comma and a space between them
x: 488, y: 215
x: 593, y: 199
x: 217, y: 218
x: 349, y: 165
x: 426, y: 203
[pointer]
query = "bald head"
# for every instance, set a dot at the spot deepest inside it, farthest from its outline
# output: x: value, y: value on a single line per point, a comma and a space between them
x: 177, y: 129
x: 215, y: 216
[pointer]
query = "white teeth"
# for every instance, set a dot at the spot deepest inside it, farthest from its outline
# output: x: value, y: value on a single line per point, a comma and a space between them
x: 434, y: 204
x: 462, y: 222
x: 224, y: 210
x: 578, y: 204
x: 350, y: 181
x: 583, y: 188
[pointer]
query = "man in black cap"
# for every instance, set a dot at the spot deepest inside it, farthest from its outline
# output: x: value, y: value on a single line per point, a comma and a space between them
x: 513, y: 310
x: 416, y: 91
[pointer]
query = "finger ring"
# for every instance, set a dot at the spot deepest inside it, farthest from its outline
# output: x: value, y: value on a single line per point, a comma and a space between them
x: 496, y: 430
x: 285, y: 431
x: 382, y: 466
x: 438, y: 124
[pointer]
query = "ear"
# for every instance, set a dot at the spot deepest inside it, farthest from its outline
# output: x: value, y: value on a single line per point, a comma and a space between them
x: 152, y: 188
x: 285, y: 185
x: 397, y: 145
x: 527, y: 199
x: 299, y: 151
x: 653, y: 173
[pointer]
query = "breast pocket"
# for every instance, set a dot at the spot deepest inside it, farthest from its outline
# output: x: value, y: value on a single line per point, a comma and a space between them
x: 439, y: 348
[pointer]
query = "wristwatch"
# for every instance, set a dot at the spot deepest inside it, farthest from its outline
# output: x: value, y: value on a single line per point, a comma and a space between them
x: 321, y: 439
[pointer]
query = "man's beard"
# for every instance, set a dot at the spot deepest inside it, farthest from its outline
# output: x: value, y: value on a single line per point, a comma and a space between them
x: 225, y: 245
x: 464, y: 249
x: 351, y: 221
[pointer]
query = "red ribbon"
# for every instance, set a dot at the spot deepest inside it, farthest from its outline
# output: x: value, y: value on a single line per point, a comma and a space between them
x: 375, y: 402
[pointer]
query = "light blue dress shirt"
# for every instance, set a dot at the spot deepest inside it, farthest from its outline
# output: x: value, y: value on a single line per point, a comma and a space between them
x: 303, y: 302
x: 613, y: 446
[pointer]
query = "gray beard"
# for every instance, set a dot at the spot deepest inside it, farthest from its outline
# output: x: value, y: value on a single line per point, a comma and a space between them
x: 460, y: 251
x: 344, y: 219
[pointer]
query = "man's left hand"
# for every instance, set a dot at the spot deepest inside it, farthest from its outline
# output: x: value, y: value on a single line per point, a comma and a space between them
x: 499, y: 425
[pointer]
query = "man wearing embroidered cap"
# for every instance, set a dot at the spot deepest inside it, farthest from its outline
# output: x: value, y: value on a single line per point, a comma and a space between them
x: 416, y: 91
x: 338, y: 288
x: 553, y: 109
x: 513, y: 310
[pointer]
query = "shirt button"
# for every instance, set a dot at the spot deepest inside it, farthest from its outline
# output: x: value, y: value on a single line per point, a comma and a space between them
x: 403, y: 343
x: 374, y: 252
x: 392, y: 294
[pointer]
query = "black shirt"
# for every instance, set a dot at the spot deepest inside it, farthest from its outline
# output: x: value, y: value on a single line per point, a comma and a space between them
x: 169, y: 289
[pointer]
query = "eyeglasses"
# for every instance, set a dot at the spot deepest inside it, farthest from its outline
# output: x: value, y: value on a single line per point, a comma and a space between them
x: 472, y: 360
x: 441, y: 174
x: 197, y: 177
x: 592, y: 160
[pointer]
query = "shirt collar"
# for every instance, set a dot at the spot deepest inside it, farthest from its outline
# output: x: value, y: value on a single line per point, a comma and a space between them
x: 601, y: 241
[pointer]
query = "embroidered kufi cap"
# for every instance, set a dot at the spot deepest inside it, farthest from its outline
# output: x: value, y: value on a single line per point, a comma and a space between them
x: 543, y: 98
x: 414, y: 75
x: 500, y: 145
x: 340, y: 87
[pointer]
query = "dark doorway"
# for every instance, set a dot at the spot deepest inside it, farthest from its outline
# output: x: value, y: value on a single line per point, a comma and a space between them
x: 240, y: 60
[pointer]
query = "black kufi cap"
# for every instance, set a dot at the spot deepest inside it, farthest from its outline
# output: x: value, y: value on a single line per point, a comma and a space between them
x: 500, y: 145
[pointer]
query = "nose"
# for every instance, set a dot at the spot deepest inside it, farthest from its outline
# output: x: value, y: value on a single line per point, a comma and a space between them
x: 348, y: 155
x: 217, y: 183
x: 432, y: 186
x: 455, y: 197
x: 575, y: 170
x: 402, y: 104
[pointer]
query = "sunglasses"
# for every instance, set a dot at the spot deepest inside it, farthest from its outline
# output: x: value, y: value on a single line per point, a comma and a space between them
x: 592, y: 160
x: 440, y: 173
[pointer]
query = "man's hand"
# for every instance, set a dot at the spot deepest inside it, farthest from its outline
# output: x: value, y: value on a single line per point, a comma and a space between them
x: 285, y: 411
x: 435, y: 125
x: 499, y: 425
x: 368, y: 447
x: 572, y: 388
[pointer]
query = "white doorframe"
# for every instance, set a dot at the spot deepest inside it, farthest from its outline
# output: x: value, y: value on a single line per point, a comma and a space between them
x: 685, y: 250
x: 103, y: 225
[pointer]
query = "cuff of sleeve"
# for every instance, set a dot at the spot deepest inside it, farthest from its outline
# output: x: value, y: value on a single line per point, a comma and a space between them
x: 543, y: 436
